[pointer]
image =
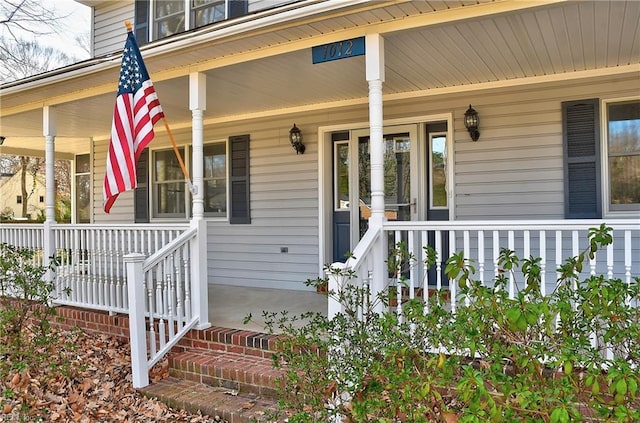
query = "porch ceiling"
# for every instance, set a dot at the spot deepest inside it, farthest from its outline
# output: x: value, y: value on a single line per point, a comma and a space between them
x: 545, y: 40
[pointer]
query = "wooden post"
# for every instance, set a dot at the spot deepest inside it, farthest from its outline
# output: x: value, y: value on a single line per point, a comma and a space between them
x: 137, y: 327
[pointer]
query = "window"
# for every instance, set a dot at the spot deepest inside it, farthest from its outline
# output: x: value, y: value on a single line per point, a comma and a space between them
x: 168, y: 18
x: 169, y: 196
x: 215, y: 179
x: 205, y: 12
x: 83, y: 188
x: 19, y: 199
x: 225, y: 180
x: 174, y: 16
x: 623, y: 155
x: 601, y: 176
x: 41, y: 199
x: 141, y: 194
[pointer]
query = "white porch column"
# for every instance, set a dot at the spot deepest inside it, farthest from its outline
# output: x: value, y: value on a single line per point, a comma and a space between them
x: 49, y: 130
x: 197, y: 104
x: 375, y: 77
x: 374, y: 47
x: 199, y: 293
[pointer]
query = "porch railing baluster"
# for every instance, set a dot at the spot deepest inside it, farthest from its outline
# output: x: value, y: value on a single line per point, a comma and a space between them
x: 551, y: 241
x: 481, y: 256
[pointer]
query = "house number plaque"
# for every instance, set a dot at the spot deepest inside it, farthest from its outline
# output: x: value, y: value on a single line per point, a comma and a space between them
x: 338, y: 50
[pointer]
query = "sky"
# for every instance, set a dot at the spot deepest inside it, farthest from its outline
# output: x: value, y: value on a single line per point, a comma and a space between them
x: 77, y: 21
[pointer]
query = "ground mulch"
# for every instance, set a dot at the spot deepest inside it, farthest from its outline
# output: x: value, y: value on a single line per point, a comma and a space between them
x: 87, y: 378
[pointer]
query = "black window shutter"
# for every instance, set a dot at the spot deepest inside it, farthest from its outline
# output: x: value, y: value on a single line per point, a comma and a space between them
x: 141, y: 193
x: 141, y: 21
x: 581, y: 134
x: 239, y: 180
x: 237, y: 8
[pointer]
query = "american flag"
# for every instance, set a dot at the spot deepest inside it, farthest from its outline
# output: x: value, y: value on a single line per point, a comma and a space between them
x: 137, y: 109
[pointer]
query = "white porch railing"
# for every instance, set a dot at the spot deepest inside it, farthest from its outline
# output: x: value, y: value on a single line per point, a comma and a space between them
x: 154, y: 273
x: 91, y: 271
x: 29, y: 236
x: 481, y: 242
x: 164, y: 300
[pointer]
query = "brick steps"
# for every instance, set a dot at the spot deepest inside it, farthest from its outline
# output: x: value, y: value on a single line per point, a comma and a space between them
x: 218, y: 371
x: 222, y: 372
x: 194, y: 397
x: 241, y: 373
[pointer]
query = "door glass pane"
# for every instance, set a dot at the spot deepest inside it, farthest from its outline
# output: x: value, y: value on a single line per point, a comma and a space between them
x: 397, y: 180
x: 341, y: 163
x: 438, y: 169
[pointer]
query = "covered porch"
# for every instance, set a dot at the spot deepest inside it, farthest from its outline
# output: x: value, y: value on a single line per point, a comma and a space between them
x: 421, y: 61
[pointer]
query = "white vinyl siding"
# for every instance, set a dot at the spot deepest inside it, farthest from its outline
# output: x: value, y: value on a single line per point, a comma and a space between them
x: 257, y: 5
x: 122, y: 210
x: 284, y: 214
x: 109, y: 29
x: 514, y: 171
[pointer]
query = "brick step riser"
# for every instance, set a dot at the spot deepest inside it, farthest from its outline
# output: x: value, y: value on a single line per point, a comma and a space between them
x: 229, y: 359
x: 229, y: 379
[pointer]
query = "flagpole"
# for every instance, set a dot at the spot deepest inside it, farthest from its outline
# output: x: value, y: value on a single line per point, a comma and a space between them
x: 192, y: 188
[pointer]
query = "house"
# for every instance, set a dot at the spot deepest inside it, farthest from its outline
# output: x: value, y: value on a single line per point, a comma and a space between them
x: 12, y: 197
x: 465, y: 125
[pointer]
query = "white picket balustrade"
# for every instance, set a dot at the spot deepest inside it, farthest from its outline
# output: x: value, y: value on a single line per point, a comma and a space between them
x: 481, y: 243
x: 163, y: 307
x: 91, y: 271
x: 27, y: 236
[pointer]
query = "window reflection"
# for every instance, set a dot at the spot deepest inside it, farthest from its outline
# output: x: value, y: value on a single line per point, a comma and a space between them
x: 208, y: 11
x: 83, y: 188
x: 624, y: 155
x: 215, y: 179
x: 169, y: 17
x: 342, y: 176
x: 169, y: 184
x: 438, y: 171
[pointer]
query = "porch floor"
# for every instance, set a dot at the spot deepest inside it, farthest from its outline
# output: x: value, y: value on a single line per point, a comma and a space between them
x: 229, y: 305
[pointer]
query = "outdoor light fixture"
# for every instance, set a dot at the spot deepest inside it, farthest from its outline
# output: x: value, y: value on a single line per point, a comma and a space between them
x: 295, y: 138
x: 471, y: 121
x: 2, y: 139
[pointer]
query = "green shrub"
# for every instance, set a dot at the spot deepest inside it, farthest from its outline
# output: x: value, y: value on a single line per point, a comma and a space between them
x: 25, y: 312
x: 572, y: 355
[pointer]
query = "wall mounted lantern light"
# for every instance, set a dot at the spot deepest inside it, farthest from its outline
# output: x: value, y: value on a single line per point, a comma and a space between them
x: 295, y: 138
x: 471, y: 121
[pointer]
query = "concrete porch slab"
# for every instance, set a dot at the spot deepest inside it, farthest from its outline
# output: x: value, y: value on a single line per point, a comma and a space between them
x: 229, y: 305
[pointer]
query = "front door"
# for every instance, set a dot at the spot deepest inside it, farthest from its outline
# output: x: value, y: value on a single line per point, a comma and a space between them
x: 352, y: 183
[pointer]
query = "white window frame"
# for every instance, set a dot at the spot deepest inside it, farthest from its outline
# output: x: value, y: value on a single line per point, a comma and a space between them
x: 604, y: 158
